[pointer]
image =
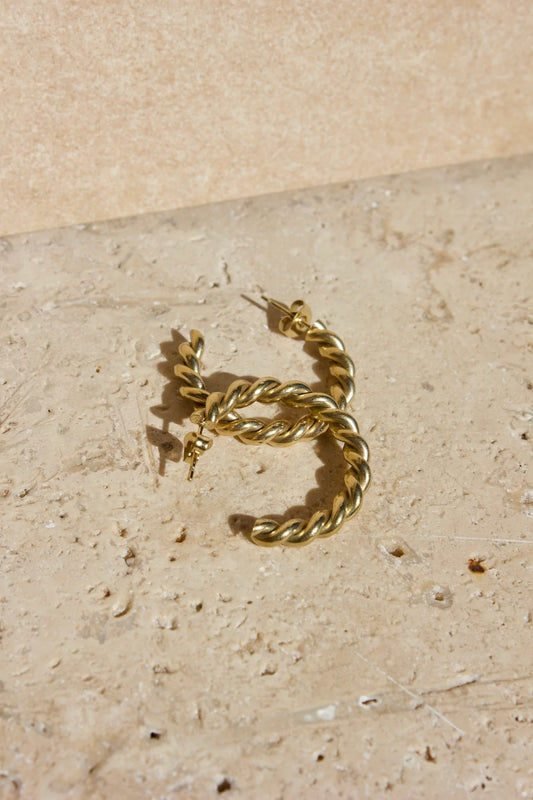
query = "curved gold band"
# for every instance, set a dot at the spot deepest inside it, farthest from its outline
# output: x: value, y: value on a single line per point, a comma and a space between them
x: 218, y: 412
x: 330, y: 347
x: 344, y: 428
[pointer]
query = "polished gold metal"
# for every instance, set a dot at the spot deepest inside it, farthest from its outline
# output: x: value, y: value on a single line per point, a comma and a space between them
x: 323, y: 523
x: 297, y: 319
x: 295, y: 322
x: 218, y: 412
x: 194, y: 445
x: 278, y: 433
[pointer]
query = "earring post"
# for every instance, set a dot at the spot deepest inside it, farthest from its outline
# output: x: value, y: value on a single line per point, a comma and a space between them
x: 192, y: 468
x: 195, y: 445
x: 277, y: 304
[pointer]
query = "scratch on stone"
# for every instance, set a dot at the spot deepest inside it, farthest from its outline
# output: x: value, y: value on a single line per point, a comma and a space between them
x: 451, y: 687
x: 496, y: 539
x: 16, y: 404
x: 148, y: 455
x: 126, y: 442
x: 407, y: 691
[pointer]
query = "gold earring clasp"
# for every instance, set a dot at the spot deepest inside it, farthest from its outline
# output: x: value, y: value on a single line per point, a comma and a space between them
x: 194, y: 445
x: 297, y: 319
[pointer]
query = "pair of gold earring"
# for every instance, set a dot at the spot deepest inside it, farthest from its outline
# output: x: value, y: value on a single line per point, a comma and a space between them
x: 218, y: 413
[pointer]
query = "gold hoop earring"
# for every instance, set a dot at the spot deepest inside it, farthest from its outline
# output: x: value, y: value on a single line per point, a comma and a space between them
x: 346, y: 504
x: 217, y: 411
x: 295, y: 322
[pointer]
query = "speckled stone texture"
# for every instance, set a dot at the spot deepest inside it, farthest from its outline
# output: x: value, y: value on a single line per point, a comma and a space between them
x: 149, y: 650
x: 117, y: 108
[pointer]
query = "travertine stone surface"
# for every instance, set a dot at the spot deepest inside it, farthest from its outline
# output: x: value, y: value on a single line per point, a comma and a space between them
x: 149, y: 650
x: 113, y: 108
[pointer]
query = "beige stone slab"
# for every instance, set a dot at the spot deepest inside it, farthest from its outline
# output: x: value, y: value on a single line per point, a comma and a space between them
x: 149, y: 650
x: 113, y: 109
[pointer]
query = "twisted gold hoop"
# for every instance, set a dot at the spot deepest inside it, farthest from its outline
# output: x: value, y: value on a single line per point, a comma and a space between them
x: 218, y: 412
x: 323, y: 523
x: 279, y: 433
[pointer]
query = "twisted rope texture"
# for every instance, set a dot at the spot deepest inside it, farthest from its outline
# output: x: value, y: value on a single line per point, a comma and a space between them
x: 279, y: 433
x: 323, y: 523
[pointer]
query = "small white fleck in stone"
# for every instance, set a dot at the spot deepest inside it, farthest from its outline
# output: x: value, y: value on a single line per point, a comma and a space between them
x: 121, y: 606
x: 327, y: 713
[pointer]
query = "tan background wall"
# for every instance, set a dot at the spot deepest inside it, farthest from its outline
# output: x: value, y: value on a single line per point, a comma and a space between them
x: 114, y: 109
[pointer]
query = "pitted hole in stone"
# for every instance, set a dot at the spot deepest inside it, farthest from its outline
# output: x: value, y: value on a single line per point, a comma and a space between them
x: 398, y: 552
x: 224, y: 785
x: 368, y: 702
x: 438, y: 596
